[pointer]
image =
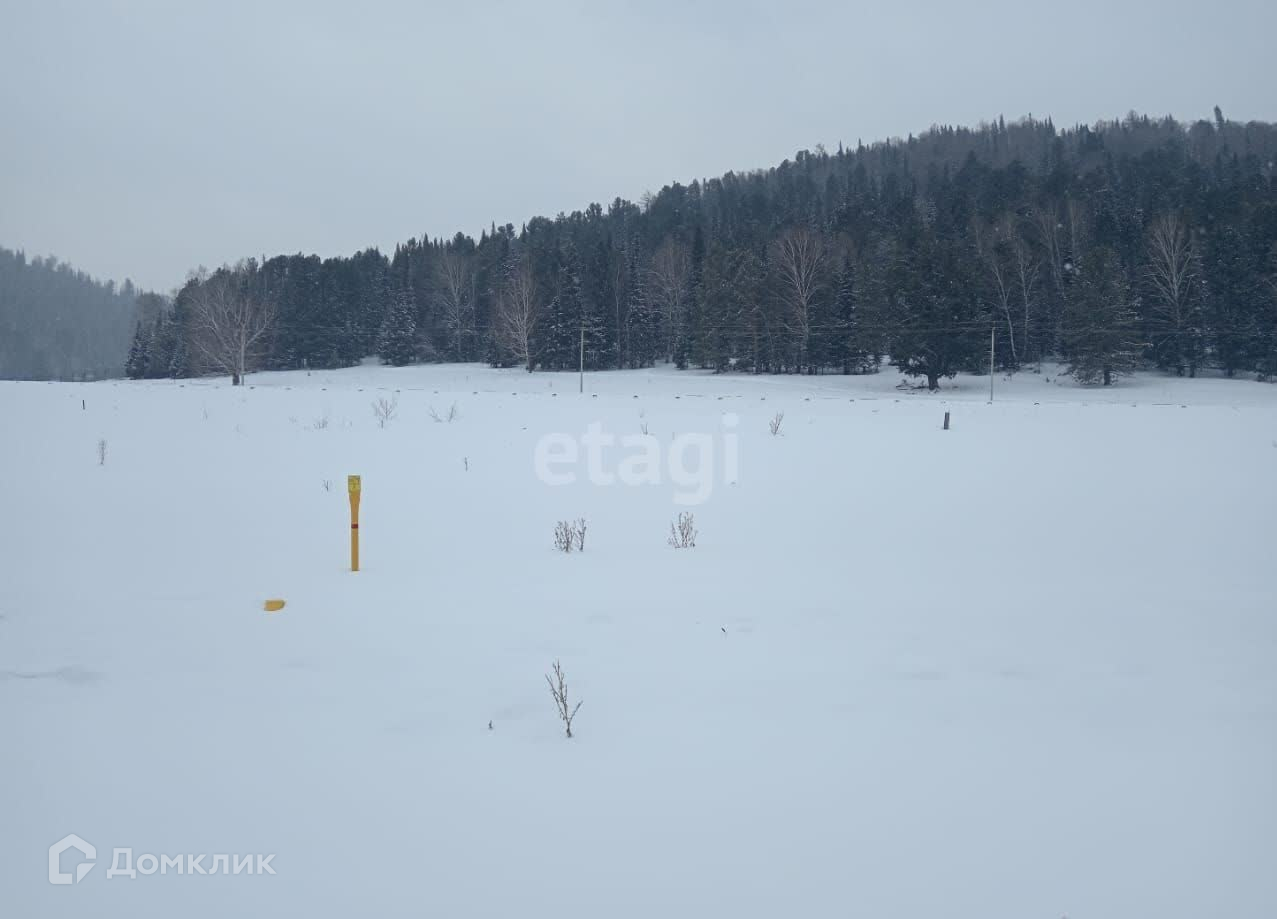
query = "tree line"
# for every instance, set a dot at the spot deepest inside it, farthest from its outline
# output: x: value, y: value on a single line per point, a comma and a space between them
x: 1137, y: 242
x: 59, y: 323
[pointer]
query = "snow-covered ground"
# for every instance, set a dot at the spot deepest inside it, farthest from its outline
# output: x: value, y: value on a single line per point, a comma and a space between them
x: 1023, y: 668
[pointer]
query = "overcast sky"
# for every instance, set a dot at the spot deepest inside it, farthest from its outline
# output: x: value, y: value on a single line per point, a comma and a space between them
x: 141, y: 139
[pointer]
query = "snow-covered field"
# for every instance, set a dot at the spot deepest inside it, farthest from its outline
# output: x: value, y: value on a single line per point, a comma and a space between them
x: 1023, y: 668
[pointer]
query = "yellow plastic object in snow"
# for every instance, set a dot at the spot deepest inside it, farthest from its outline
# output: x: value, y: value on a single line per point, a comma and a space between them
x: 354, y: 487
x: 274, y: 606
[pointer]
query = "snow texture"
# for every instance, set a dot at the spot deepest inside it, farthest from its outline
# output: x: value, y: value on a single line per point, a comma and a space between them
x: 1021, y: 668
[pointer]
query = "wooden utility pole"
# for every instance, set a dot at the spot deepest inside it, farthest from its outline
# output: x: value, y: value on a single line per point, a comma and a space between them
x: 582, y: 357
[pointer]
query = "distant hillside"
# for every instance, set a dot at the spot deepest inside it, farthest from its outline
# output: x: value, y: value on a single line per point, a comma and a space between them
x: 59, y: 323
x: 1143, y: 241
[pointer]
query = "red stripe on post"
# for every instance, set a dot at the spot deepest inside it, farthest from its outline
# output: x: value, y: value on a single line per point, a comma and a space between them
x: 354, y: 526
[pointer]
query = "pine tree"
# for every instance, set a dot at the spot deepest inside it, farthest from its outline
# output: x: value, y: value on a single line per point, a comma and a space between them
x: 600, y: 351
x: 689, y: 331
x: 179, y: 363
x: 135, y: 365
x: 301, y: 340
x: 1100, y: 335
x: 643, y: 332
x: 161, y: 346
x: 730, y: 285
x: 398, y: 343
x: 1231, y: 297
x: 574, y: 322
x: 560, y: 338
x: 847, y: 346
x: 1266, y: 340
x: 603, y: 302
x: 174, y: 358
x: 375, y: 304
x: 937, y: 325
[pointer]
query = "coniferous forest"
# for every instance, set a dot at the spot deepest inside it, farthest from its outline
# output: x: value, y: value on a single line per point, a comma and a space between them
x: 1136, y: 243
x: 59, y: 323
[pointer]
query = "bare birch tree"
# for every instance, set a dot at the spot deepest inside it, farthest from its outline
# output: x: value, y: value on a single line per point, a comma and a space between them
x: 1048, y: 225
x: 1013, y: 268
x: 800, y: 256
x: 1062, y: 235
x: 668, y: 279
x: 620, y: 300
x: 1026, y: 267
x: 455, y: 281
x: 229, y: 327
x: 994, y: 249
x: 1077, y: 221
x: 1170, y: 272
x: 518, y: 310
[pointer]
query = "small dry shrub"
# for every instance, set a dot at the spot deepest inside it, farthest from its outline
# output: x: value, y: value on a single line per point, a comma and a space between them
x: 384, y: 409
x: 569, y: 535
x: 559, y: 689
x: 452, y: 415
x: 683, y: 532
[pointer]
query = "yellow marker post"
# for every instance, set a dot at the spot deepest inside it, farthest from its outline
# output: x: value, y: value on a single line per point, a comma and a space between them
x: 352, y: 485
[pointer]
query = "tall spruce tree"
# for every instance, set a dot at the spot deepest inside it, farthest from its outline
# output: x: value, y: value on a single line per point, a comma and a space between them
x: 135, y: 364
x: 848, y: 345
x: 937, y: 325
x: 1101, y: 332
x: 1266, y: 340
x: 731, y: 283
x: 398, y: 344
x: 1232, y: 295
x: 689, y: 330
x: 643, y: 331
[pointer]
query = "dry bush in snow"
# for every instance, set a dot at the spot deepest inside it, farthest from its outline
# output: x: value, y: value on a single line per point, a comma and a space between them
x: 776, y: 422
x: 384, y: 409
x: 683, y: 533
x: 102, y: 452
x: 559, y: 689
x: 320, y: 424
x: 569, y: 535
x: 452, y: 415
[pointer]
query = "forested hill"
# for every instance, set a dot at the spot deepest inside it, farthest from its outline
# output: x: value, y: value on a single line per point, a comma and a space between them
x: 59, y: 323
x: 1141, y: 241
